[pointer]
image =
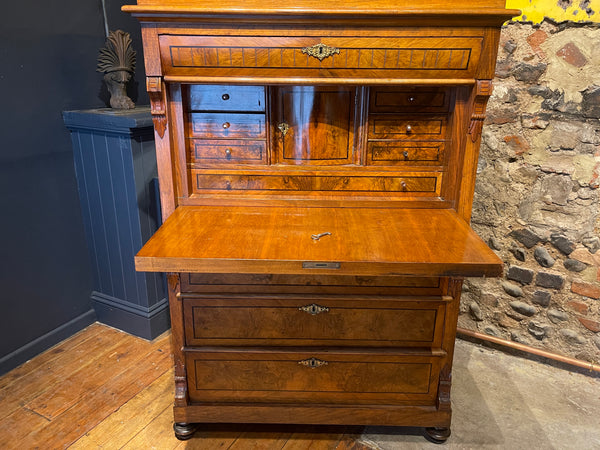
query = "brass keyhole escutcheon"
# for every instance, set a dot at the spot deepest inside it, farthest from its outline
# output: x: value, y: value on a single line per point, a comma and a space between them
x: 283, y: 127
x: 314, y: 309
x: 313, y: 363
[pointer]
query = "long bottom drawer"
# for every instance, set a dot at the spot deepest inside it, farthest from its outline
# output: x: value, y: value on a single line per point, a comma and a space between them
x: 317, y: 377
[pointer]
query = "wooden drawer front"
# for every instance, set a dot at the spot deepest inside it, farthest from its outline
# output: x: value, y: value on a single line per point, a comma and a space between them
x: 227, y: 125
x: 402, y: 127
x: 348, y: 56
x: 414, y: 184
x: 227, y: 98
x: 310, y: 284
x: 424, y: 153
x: 384, y: 100
x: 228, y: 151
x: 325, y: 321
x: 319, y: 377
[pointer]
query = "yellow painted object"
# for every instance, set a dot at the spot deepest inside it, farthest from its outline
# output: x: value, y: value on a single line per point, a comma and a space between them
x: 558, y: 10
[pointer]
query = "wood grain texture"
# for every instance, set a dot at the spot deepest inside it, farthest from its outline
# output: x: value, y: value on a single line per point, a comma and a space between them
x: 278, y: 240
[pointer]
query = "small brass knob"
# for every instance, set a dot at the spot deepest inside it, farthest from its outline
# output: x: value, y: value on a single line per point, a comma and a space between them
x: 411, y: 99
x: 225, y: 96
x: 403, y: 184
x: 228, y: 153
x: 408, y: 129
x: 405, y: 154
x: 226, y: 125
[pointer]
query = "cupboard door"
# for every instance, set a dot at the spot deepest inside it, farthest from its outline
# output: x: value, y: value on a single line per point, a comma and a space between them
x: 314, y: 125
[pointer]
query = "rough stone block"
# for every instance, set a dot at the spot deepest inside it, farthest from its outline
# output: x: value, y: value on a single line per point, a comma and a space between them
x: 543, y: 258
x: 534, y: 122
x: 590, y: 103
x: 583, y: 255
x: 537, y: 330
x: 592, y: 243
x: 475, y: 311
x: 492, y: 331
x: 529, y: 73
x: 516, y: 143
x: 518, y: 337
x: 572, y: 337
x: 512, y: 289
x: 526, y: 237
x: 549, y: 280
x: 562, y: 243
x: 519, y: 253
x: 586, y: 289
x: 520, y: 274
x: 557, y: 316
x: 523, y: 308
x: 541, y: 298
x: 573, y: 265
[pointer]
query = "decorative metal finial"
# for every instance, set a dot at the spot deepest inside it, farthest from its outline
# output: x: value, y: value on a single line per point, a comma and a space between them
x: 117, y: 61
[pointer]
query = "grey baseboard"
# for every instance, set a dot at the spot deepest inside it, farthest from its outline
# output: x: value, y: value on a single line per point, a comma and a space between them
x: 44, y: 342
x: 146, y: 323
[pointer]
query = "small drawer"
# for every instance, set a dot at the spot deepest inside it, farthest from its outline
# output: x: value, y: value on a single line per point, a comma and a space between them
x: 227, y: 98
x: 413, y: 100
x: 314, y: 322
x: 352, y: 377
x: 403, y: 127
x: 228, y: 151
x: 424, y: 153
x: 227, y: 125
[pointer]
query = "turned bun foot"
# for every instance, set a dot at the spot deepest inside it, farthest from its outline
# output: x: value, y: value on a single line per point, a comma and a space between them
x: 437, y: 435
x: 184, y: 431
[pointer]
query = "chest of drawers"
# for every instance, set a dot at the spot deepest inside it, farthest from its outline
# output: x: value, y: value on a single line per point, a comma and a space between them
x: 317, y: 169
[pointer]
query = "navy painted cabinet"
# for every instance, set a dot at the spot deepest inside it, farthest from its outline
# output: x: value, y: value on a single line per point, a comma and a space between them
x: 115, y: 164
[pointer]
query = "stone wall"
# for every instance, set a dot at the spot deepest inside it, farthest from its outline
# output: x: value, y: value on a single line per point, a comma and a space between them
x: 536, y: 197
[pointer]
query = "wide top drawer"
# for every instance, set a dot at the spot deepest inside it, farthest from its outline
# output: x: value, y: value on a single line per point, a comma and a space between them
x: 314, y: 57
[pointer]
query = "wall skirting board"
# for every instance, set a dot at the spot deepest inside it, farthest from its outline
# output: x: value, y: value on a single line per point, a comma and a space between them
x: 46, y: 341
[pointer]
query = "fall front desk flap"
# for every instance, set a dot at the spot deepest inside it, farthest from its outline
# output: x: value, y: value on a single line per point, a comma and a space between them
x: 304, y: 240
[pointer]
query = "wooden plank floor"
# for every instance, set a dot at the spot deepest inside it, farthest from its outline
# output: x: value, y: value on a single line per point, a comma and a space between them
x: 106, y: 389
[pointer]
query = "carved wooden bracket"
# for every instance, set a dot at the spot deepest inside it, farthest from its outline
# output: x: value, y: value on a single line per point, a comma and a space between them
x: 482, y: 95
x: 155, y: 88
x: 443, y: 400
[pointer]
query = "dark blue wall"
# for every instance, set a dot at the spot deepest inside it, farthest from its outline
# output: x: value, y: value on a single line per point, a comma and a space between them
x: 48, y: 53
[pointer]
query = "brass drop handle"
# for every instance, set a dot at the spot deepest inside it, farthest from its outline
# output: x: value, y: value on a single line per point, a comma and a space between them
x: 225, y: 97
x: 408, y: 129
x: 228, y: 153
x: 226, y: 125
x: 313, y: 363
x: 314, y: 309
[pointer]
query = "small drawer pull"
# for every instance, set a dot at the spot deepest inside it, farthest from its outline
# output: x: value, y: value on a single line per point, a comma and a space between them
x: 313, y: 363
x: 228, y: 153
x: 314, y: 309
x: 405, y: 154
x: 408, y: 129
x: 226, y: 125
x: 225, y: 97
x: 411, y: 99
x: 403, y: 184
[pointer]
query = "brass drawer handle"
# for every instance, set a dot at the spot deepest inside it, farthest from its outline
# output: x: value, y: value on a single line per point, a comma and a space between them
x: 313, y: 363
x: 225, y: 97
x: 226, y: 125
x: 320, y: 51
x: 314, y: 309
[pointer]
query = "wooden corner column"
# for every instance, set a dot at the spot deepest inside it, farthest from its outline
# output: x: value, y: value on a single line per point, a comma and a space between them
x: 317, y: 165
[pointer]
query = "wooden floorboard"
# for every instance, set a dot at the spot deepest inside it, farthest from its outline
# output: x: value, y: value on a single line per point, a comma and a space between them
x: 105, y: 389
